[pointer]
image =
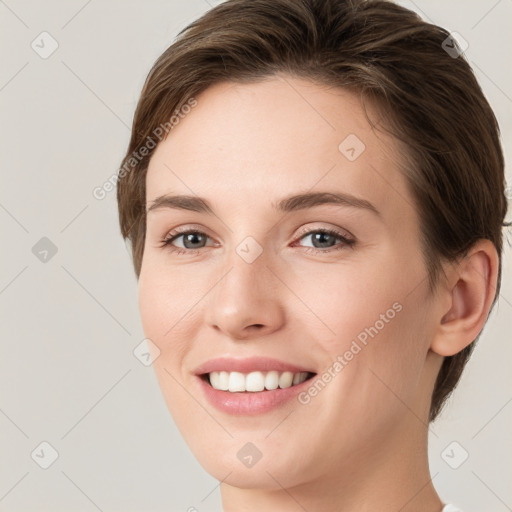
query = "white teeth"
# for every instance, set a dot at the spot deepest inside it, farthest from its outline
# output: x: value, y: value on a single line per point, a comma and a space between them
x: 255, y: 381
x: 223, y: 381
x: 285, y: 380
x: 236, y: 382
x: 272, y: 380
x: 214, y: 379
x: 220, y: 380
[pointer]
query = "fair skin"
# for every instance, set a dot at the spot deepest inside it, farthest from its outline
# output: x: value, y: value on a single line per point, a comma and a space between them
x: 361, y: 443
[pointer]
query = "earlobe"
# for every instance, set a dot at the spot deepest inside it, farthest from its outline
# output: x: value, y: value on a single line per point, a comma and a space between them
x: 469, y: 291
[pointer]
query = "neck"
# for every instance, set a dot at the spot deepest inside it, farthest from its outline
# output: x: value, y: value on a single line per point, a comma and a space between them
x: 390, y: 475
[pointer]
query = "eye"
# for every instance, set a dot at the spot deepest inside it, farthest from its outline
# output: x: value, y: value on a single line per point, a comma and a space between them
x: 193, y: 240
x: 324, y: 240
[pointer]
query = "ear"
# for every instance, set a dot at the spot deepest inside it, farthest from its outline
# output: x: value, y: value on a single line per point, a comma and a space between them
x: 465, y: 299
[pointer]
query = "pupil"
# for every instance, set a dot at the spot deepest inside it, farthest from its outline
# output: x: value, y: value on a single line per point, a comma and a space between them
x: 191, y: 238
x: 319, y: 237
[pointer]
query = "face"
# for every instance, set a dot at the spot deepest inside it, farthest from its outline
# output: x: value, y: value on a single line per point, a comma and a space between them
x: 264, y: 291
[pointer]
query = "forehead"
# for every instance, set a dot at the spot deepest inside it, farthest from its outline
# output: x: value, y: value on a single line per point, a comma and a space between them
x: 261, y: 141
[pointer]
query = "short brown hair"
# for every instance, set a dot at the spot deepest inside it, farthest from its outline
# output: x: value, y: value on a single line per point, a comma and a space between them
x: 390, y: 56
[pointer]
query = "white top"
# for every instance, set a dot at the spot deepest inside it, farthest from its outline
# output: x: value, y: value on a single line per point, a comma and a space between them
x: 451, y: 508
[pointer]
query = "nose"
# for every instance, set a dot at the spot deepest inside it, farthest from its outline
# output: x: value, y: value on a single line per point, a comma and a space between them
x: 246, y: 302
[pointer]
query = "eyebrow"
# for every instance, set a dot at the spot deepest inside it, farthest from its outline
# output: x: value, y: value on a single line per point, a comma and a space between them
x: 288, y: 204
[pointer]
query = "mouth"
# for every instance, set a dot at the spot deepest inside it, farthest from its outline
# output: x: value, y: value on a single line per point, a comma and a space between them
x: 251, y: 386
x: 255, y: 381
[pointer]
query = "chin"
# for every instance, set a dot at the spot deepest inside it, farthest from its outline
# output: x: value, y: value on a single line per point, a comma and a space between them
x: 243, y: 465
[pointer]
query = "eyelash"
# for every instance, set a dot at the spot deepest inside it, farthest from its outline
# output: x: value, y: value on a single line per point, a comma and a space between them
x: 347, y: 242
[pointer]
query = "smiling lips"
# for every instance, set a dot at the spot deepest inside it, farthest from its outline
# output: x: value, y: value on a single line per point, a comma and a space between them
x: 250, y: 386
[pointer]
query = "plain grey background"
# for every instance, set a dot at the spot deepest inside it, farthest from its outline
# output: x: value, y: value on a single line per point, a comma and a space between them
x: 70, y: 320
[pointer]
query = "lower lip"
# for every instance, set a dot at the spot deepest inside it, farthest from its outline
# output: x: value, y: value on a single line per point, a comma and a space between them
x: 250, y: 403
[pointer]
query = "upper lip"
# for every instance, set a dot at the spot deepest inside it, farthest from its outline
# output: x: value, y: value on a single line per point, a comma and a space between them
x: 247, y: 365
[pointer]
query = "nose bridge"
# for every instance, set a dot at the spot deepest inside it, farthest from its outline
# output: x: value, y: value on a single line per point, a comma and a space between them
x: 247, y: 275
x: 246, y: 295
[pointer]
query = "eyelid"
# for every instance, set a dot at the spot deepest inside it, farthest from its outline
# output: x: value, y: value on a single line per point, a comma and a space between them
x: 302, y: 231
x: 347, y: 239
x: 176, y: 233
x: 188, y: 228
x: 334, y: 230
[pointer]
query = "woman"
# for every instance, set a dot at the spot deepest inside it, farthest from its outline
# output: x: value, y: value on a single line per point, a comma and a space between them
x: 314, y: 194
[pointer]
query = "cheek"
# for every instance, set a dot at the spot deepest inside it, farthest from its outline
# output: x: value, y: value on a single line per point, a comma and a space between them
x: 166, y: 296
x: 353, y: 302
x: 164, y: 301
x: 377, y: 327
